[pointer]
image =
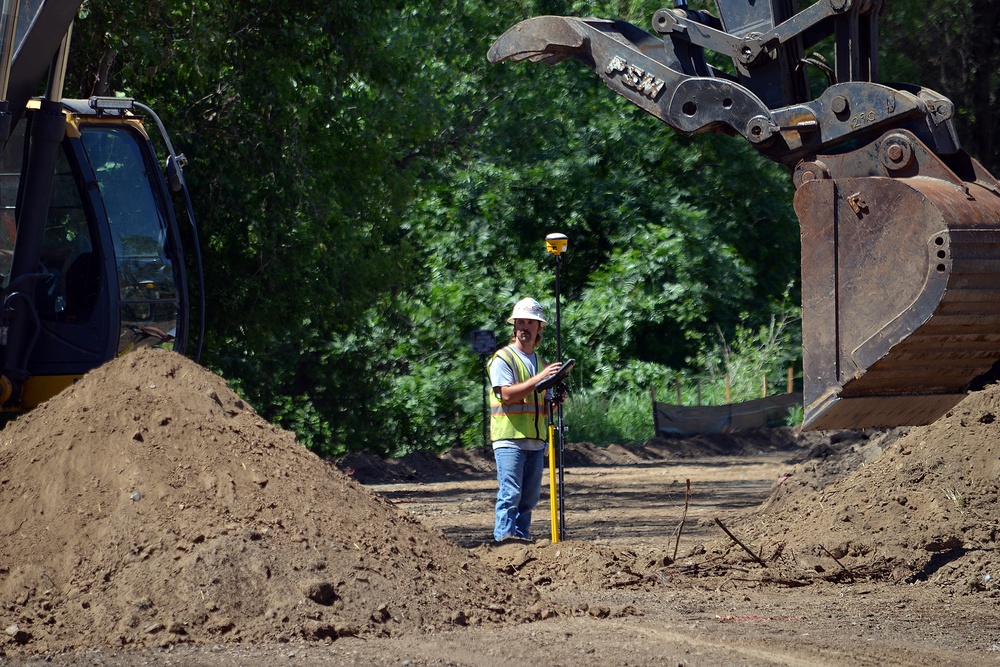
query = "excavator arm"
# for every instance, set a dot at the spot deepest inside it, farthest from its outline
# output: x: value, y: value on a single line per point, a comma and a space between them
x: 900, y: 228
x: 36, y: 31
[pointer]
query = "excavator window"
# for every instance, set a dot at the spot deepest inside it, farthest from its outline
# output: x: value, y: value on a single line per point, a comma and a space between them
x: 69, y: 279
x: 72, y: 287
x: 138, y: 223
x: 69, y: 273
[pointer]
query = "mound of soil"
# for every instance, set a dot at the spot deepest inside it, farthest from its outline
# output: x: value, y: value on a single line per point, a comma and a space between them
x: 149, y: 505
x: 918, y: 504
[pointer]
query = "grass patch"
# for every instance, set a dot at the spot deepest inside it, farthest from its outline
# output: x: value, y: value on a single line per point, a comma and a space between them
x: 620, y: 418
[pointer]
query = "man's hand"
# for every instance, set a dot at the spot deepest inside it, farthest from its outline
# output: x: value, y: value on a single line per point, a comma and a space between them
x: 517, y: 392
x: 548, y: 371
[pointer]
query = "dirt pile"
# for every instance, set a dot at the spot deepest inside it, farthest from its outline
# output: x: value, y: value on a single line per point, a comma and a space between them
x: 149, y: 505
x: 925, y: 508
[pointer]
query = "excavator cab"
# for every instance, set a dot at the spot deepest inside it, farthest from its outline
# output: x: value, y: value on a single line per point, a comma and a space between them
x: 900, y: 227
x: 110, y: 274
x: 91, y: 260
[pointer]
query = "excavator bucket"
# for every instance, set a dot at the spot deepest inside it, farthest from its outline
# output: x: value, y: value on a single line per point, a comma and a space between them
x: 900, y: 289
x: 900, y: 228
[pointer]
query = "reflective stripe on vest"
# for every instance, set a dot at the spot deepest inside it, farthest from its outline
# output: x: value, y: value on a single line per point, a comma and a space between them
x: 516, y: 421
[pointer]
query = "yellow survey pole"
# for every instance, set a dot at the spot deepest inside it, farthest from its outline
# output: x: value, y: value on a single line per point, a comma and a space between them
x: 553, y: 492
x: 556, y: 244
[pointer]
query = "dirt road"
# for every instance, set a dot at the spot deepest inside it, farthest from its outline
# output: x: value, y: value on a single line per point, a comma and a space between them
x: 688, y: 620
x: 609, y: 616
x: 630, y: 506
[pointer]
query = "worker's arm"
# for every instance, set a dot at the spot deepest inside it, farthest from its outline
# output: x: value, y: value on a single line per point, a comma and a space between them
x: 513, y: 393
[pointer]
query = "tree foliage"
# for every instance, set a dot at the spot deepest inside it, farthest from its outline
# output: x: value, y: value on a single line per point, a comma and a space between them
x: 670, y: 237
x: 370, y: 190
x: 954, y: 50
x: 282, y: 111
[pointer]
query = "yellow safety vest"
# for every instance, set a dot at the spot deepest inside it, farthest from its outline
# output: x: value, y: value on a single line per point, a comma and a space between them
x: 524, y: 419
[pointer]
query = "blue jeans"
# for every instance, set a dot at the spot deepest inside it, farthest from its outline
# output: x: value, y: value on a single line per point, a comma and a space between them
x: 519, y: 474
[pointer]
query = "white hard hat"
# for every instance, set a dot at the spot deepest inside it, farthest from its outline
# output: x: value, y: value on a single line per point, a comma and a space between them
x: 527, y: 309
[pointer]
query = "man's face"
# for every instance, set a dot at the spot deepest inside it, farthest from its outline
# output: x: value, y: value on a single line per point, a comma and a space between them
x: 526, y: 330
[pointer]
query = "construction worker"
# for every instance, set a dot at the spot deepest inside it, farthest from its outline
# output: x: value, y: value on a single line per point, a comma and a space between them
x: 518, y: 421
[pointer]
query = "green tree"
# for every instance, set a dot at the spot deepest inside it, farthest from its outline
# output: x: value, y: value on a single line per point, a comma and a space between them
x: 954, y: 50
x: 670, y: 237
x: 371, y: 189
x: 286, y: 114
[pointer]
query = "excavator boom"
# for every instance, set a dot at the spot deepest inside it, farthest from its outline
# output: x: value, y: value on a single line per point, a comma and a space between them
x: 900, y: 227
x: 38, y: 28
